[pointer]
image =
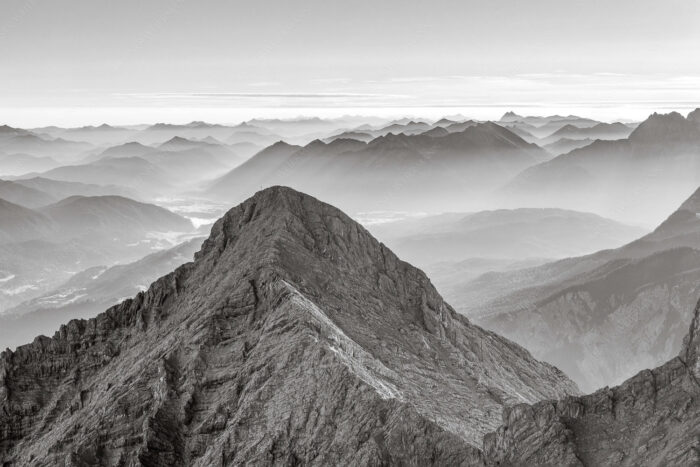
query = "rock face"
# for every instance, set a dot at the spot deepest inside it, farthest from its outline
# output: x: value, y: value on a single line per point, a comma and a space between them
x: 293, y: 338
x: 651, y: 419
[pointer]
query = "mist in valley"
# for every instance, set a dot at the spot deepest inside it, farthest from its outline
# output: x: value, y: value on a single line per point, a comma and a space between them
x: 302, y: 233
x: 141, y: 198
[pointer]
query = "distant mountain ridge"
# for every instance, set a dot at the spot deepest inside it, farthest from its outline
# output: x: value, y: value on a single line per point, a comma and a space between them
x: 88, y: 293
x: 628, y: 304
x: 40, y: 249
x: 516, y: 234
x: 638, y: 179
x: 81, y: 214
x: 384, y: 171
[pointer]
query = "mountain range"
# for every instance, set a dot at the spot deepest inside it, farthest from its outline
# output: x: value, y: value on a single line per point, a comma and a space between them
x: 294, y: 337
x: 41, y: 248
x: 505, y: 234
x: 601, y: 317
x: 604, y: 131
x: 637, y: 179
x: 88, y: 293
x: 382, y: 174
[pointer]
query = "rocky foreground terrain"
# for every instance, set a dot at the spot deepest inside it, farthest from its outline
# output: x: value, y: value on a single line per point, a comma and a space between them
x: 651, y: 419
x: 295, y: 338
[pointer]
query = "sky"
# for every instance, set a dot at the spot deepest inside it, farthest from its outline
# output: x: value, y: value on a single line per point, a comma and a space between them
x: 74, y: 62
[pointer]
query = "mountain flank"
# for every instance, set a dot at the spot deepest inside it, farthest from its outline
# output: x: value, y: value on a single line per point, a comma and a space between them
x: 651, y: 419
x: 293, y: 338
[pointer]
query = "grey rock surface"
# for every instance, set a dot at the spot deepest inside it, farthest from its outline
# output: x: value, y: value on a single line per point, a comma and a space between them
x: 651, y: 419
x: 293, y: 338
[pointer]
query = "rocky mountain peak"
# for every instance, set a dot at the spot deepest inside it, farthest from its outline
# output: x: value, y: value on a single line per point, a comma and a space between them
x: 293, y: 337
x: 694, y: 116
x: 510, y: 116
x: 177, y: 141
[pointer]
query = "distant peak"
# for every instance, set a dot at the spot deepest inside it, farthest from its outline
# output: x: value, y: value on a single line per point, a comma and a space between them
x: 317, y: 143
x: 667, y: 127
x: 280, y: 144
x: 177, y: 140
x: 510, y: 117
x: 198, y: 124
x: 161, y: 125
x: 694, y: 116
x: 8, y: 129
x: 445, y: 121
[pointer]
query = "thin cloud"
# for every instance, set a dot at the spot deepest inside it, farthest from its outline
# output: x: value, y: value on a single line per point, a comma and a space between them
x: 257, y: 95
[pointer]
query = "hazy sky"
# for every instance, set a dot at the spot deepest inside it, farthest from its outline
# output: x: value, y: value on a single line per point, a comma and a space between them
x: 71, y: 62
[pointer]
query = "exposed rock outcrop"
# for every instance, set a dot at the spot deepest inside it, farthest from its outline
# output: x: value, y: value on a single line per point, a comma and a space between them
x: 650, y: 419
x: 293, y: 338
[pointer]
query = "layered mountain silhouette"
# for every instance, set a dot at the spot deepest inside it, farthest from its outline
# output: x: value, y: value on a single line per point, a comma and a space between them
x: 25, y: 142
x: 135, y: 173
x: 640, y: 178
x: 564, y: 145
x: 18, y: 223
x: 131, y: 149
x: 383, y: 173
x: 247, y: 178
x: 541, y: 127
x: 43, y: 247
x: 18, y: 164
x: 601, y: 317
x: 88, y: 293
x: 94, y: 134
x: 90, y: 215
x: 28, y: 196
x: 162, y: 132
x: 293, y: 338
x: 603, y: 131
x: 514, y: 234
x: 59, y: 190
